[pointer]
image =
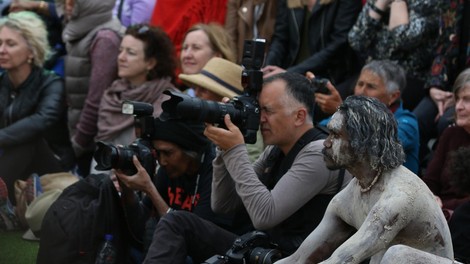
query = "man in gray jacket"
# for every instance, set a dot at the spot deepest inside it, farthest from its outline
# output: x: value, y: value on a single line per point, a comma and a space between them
x: 285, y: 192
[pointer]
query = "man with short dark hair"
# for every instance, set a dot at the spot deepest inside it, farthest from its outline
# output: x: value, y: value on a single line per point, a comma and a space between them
x: 384, y: 205
x: 284, y: 192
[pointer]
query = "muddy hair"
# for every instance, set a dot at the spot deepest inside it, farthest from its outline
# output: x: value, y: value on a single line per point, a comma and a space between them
x: 372, y: 131
x: 459, y: 169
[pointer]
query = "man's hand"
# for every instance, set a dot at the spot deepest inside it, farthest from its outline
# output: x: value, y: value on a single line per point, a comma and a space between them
x: 328, y: 103
x: 224, y: 138
x: 442, y: 99
x: 271, y: 70
x: 140, y: 181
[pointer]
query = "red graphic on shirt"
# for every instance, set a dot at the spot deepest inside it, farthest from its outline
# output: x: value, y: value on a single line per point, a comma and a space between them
x: 178, y: 198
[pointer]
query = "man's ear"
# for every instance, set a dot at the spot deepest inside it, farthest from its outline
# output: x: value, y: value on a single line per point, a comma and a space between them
x: 393, y: 97
x: 301, y: 116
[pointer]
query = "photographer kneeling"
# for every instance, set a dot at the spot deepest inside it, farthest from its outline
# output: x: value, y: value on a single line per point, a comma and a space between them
x: 183, y: 180
x: 285, y: 192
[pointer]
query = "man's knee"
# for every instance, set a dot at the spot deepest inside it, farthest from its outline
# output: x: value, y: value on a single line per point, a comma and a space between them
x: 394, y: 253
x: 178, y: 218
x: 405, y: 254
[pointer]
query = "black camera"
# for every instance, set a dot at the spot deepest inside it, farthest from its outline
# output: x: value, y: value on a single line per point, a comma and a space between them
x: 243, y: 109
x: 319, y: 85
x: 254, y: 248
x: 108, y: 156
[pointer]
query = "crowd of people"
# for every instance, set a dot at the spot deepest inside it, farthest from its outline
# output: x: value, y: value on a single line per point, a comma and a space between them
x: 357, y: 171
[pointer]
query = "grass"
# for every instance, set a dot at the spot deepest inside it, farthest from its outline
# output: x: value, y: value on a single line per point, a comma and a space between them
x: 15, y: 250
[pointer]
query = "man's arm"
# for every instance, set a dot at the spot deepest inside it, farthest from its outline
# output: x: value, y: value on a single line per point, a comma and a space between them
x: 384, y: 221
x: 307, y: 177
x: 224, y: 198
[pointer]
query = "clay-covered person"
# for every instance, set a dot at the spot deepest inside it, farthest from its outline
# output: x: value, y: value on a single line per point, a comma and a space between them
x: 384, y: 205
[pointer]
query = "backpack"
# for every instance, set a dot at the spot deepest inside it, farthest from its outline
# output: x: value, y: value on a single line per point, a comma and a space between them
x: 75, y: 225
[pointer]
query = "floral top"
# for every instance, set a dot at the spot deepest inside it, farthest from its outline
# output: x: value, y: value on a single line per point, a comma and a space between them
x: 411, y: 46
x: 453, y: 52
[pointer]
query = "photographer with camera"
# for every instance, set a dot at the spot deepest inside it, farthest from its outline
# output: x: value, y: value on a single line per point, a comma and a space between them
x: 182, y: 182
x: 220, y: 78
x: 285, y: 192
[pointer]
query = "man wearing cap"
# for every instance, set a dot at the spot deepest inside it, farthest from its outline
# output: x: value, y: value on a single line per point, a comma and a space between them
x: 183, y: 179
x: 285, y: 192
x: 218, y: 79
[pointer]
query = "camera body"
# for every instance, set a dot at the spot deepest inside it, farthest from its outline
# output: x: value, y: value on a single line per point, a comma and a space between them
x: 243, y: 109
x: 319, y: 84
x: 108, y: 156
x: 254, y: 247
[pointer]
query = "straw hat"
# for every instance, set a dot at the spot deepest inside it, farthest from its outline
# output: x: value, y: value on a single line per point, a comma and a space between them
x: 36, y: 212
x: 219, y: 76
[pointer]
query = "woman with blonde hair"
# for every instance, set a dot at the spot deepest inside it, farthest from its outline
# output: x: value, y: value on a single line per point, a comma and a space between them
x: 33, y: 130
x: 203, y: 42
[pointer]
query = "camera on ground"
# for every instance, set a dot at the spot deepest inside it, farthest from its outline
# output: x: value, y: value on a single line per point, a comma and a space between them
x: 253, y: 248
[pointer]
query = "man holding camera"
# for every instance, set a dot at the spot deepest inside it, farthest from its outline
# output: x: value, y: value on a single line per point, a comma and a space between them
x: 285, y: 192
x: 183, y: 180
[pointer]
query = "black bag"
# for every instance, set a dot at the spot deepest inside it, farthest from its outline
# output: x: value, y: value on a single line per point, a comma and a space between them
x: 75, y: 225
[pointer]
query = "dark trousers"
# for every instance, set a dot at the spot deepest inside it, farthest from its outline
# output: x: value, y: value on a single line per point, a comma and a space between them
x: 429, y: 128
x: 180, y: 234
x: 20, y: 161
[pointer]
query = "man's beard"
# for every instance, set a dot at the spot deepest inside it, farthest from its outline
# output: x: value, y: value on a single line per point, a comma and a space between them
x: 338, y: 160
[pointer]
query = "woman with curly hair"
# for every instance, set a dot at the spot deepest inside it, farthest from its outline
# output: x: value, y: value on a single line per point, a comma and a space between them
x: 146, y: 66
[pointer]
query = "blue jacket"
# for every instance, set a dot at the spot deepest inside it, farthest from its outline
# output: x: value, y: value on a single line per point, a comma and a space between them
x: 408, y: 134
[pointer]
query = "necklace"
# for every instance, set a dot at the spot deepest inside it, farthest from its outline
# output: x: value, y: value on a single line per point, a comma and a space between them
x: 363, y: 190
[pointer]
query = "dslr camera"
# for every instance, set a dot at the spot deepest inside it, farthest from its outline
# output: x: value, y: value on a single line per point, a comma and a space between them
x: 108, y: 156
x: 253, y: 248
x: 243, y: 109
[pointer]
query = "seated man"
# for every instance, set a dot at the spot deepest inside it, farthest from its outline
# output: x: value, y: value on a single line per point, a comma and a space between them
x: 385, y: 81
x: 285, y: 192
x: 182, y: 182
x: 384, y: 205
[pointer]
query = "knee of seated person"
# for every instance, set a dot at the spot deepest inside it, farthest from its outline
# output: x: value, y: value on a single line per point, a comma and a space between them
x: 178, y: 216
x: 394, y: 254
x: 406, y: 254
